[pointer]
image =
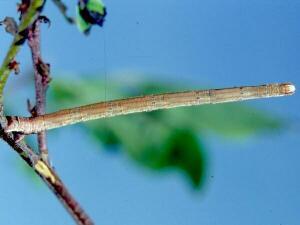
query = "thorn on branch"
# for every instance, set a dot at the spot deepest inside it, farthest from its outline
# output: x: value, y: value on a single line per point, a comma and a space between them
x: 31, y: 109
x: 15, y: 66
x: 44, y: 70
x: 44, y: 19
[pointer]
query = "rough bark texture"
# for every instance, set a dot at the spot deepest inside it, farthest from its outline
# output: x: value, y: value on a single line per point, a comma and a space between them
x: 42, y: 79
x: 145, y: 104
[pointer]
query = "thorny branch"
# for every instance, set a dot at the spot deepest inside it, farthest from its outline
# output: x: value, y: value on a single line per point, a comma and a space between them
x: 28, y: 29
x: 46, y: 173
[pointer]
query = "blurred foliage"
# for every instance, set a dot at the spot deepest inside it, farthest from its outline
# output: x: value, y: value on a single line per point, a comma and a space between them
x: 165, y: 139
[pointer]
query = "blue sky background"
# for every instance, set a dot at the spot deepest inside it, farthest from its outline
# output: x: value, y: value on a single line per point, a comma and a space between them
x: 215, y: 43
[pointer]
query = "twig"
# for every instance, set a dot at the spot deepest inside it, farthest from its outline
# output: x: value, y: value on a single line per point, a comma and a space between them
x: 143, y: 104
x: 20, y: 147
x: 29, y: 17
x: 41, y: 167
x: 41, y: 78
x: 63, y: 9
x: 47, y: 174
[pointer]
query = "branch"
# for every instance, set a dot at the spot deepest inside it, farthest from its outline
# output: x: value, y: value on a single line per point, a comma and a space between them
x: 27, y: 154
x: 145, y: 104
x: 29, y: 17
x: 47, y: 174
x: 42, y: 79
x: 29, y: 14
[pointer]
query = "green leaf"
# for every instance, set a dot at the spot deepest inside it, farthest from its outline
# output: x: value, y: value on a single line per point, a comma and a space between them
x: 70, y: 93
x: 88, y: 13
x: 231, y: 120
x: 152, y: 144
x: 82, y: 25
x: 96, y: 6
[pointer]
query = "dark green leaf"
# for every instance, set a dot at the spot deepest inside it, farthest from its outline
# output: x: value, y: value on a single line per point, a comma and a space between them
x: 90, y: 12
x: 153, y: 144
